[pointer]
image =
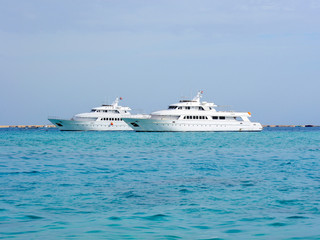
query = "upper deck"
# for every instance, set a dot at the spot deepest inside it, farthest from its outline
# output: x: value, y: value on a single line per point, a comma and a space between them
x: 197, y: 108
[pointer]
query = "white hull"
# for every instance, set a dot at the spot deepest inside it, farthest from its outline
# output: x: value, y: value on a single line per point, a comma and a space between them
x: 157, y: 125
x: 72, y: 125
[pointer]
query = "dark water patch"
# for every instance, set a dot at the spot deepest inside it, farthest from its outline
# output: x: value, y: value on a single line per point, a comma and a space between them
x: 283, y: 189
x: 113, y: 225
x: 184, y: 190
x: 315, y: 237
x: 113, y: 218
x: 94, y: 231
x: 19, y: 233
x: 260, y: 234
x: 277, y: 224
x: 103, y: 170
x: 213, y: 238
x: 130, y: 194
x: 247, y: 184
x: 16, y: 172
x: 297, y: 217
x: 286, y: 163
x: 289, y: 202
x: 254, y: 219
x: 233, y: 231
x: 156, y: 217
x: 57, y: 227
x: 33, y: 217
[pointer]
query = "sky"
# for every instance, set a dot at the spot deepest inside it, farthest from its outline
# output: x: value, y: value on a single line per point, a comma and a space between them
x: 63, y: 57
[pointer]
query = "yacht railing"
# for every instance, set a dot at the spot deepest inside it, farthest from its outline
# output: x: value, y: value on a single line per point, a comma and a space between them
x: 57, y: 117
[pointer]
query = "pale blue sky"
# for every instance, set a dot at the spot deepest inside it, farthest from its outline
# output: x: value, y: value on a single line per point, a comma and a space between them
x: 63, y: 57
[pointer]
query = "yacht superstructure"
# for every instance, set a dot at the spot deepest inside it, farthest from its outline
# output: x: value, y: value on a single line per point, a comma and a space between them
x: 194, y: 115
x: 103, y: 118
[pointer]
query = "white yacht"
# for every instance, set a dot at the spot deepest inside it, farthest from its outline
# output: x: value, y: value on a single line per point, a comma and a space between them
x: 103, y: 118
x: 194, y: 115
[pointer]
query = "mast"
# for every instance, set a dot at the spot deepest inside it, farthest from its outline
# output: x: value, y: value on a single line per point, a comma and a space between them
x: 197, y: 98
x: 115, y: 102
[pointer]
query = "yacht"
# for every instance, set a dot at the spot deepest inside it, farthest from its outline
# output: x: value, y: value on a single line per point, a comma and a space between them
x: 103, y: 118
x: 194, y: 115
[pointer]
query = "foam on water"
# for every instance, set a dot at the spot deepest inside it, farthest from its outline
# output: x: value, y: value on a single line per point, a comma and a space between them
x: 127, y: 185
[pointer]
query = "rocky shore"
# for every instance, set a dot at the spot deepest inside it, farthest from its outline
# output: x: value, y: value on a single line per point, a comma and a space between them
x: 27, y: 126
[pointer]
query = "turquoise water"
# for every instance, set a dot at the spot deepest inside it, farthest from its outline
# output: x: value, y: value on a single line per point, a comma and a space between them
x: 127, y: 185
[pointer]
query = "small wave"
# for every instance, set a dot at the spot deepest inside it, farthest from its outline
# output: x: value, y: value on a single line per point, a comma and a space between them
x: 278, y: 224
x: 288, y: 202
x: 130, y: 194
x: 254, y: 219
x: 213, y: 238
x: 113, y: 218
x: 156, y: 217
x: 233, y: 231
x: 202, y: 227
x: 296, y: 217
x: 184, y: 190
x: 23, y: 172
x: 33, y: 217
x: 94, y: 231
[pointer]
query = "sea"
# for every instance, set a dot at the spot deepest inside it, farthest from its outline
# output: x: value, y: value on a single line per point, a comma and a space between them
x: 185, y: 185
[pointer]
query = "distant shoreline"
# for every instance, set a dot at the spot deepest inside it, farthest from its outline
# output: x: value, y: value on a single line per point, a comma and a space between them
x: 53, y: 126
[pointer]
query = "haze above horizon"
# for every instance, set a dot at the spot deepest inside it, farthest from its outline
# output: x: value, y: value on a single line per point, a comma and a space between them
x: 65, y: 57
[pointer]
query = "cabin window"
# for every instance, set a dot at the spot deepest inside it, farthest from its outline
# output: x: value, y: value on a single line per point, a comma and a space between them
x: 172, y: 107
x: 201, y: 109
x: 214, y: 117
x: 222, y: 118
x: 188, y: 108
x: 179, y: 107
x: 93, y: 110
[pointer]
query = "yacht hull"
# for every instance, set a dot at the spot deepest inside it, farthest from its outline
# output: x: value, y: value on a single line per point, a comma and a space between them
x: 72, y: 125
x: 156, y: 125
